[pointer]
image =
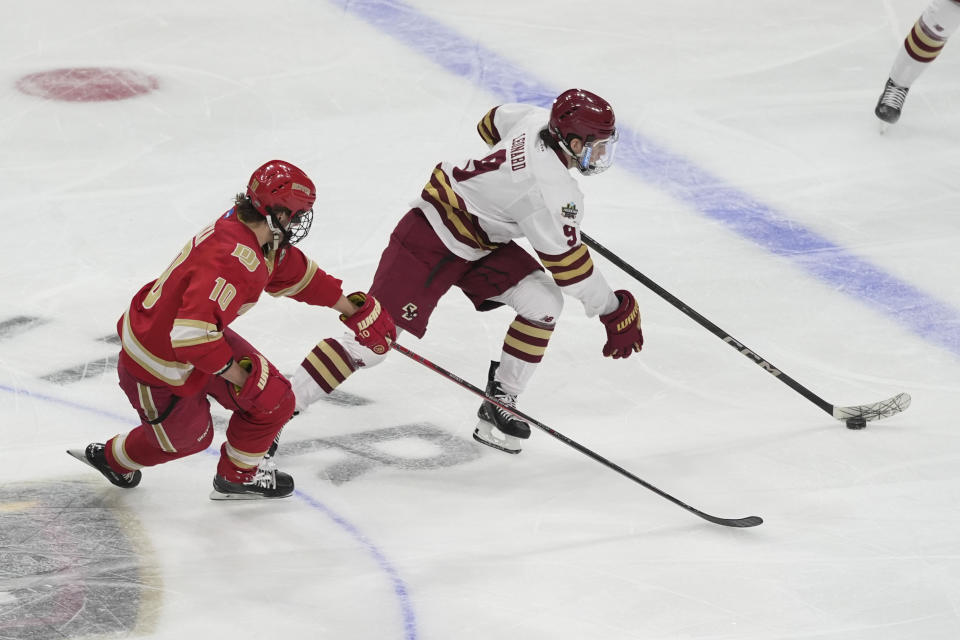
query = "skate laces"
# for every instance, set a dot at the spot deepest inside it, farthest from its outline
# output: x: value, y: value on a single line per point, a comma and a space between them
x: 268, y: 464
x: 506, y: 398
x: 266, y: 478
x: 893, y: 95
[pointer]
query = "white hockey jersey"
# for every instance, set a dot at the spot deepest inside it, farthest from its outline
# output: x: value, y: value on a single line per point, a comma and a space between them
x: 522, y: 189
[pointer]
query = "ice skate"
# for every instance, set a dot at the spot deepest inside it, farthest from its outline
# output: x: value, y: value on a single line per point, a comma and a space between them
x: 95, y: 456
x: 268, y: 482
x: 890, y: 104
x: 497, y: 427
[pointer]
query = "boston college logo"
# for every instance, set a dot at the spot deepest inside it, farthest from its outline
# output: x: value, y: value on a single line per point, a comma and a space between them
x: 409, y: 311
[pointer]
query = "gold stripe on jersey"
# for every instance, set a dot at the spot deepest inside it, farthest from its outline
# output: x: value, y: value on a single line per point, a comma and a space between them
x: 570, y: 267
x: 173, y: 373
x: 187, y: 333
x: 300, y: 286
x: 488, y: 130
x: 573, y: 274
x: 461, y: 224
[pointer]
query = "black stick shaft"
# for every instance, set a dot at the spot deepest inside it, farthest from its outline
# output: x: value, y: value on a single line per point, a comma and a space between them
x: 751, y: 355
x: 750, y: 521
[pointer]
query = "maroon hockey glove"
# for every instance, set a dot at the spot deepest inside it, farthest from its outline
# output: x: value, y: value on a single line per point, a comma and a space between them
x: 372, y: 323
x: 623, y: 327
x: 265, y: 390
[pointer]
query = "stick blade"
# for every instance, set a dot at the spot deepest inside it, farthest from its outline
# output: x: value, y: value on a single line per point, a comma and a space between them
x: 738, y: 523
x: 876, y: 411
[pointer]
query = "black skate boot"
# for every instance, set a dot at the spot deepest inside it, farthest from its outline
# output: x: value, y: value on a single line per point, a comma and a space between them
x: 890, y: 103
x: 267, y: 483
x: 95, y: 456
x: 498, y: 428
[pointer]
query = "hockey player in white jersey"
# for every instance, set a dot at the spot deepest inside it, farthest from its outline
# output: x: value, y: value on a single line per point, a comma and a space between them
x: 922, y: 45
x: 460, y: 232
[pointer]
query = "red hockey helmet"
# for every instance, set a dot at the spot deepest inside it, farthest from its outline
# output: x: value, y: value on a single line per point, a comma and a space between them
x: 277, y: 186
x: 577, y: 113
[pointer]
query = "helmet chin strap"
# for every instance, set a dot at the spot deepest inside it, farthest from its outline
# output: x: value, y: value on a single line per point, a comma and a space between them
x: 582, y: 160
x: 279, y: 233
x: 577, y: 159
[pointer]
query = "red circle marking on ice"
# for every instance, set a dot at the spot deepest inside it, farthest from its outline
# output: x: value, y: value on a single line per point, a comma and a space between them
x: 87, y: 84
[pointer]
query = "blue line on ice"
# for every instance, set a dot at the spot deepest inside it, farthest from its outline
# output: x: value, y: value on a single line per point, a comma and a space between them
x: 400, y: 589
x: 463, y: 56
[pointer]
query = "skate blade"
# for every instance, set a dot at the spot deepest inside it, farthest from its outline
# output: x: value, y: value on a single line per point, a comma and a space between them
x: 496, y: 439
x: 216, y: 495
x: 81, y: 455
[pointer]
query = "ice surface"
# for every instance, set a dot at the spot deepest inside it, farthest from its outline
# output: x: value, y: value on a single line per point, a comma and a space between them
x: 752, y: 183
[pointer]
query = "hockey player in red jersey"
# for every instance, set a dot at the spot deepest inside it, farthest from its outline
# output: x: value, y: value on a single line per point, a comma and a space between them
x: 178, y: 349
x: 460, y: 232
x: 922, y: 45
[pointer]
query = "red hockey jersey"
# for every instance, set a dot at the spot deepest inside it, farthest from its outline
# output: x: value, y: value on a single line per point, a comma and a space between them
x: 172, y: 334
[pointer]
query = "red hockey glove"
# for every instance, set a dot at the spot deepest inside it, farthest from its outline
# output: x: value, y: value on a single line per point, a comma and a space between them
x: 372, y: 323
x: 265, y: 390
x: 623, y: 327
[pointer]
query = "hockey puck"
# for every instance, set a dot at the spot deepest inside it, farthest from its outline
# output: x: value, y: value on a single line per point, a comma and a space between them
x: 856, y: 423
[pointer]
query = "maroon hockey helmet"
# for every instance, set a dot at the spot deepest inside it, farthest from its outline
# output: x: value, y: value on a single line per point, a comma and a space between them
x: 577, y: 113
x: 278, y: 184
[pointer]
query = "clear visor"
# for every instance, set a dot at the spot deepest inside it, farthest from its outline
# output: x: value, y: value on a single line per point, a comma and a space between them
x: 597, y: 155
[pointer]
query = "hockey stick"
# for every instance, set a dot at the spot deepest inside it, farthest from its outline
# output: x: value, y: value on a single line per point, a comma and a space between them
x: 750, y: 521
x: 855, y: 417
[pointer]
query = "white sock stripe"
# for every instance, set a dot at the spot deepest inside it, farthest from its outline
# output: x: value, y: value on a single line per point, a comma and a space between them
x: 243, y: 458
x: 120, y: 454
